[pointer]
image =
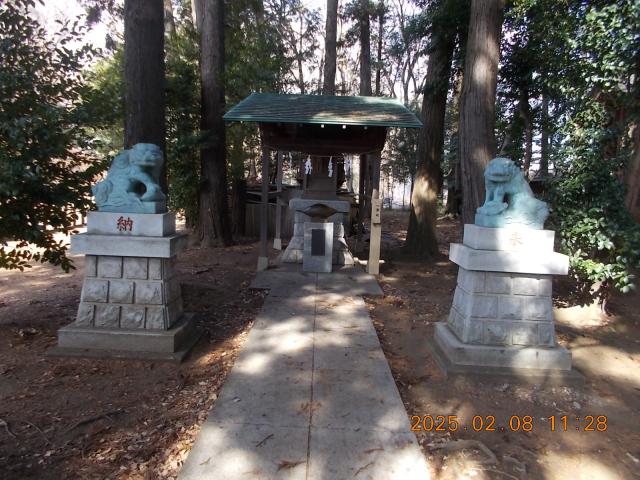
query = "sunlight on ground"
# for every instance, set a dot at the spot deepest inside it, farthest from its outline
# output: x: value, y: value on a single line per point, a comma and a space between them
x: 579, y: 466
x: 606, y: 361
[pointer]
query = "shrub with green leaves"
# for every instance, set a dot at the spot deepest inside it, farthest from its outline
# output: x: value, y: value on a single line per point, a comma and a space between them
x: 596, y: 230
x: 44, y: 177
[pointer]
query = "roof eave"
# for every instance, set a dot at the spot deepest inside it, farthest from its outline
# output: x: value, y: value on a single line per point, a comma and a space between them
x: 371, y: 123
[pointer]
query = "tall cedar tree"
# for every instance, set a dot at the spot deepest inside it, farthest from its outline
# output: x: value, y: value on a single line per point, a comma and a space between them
x: 421, y: 235
x: 365, y: 90
x: 144, y: 74
x: 214, y: 224
x: 477, y: 103
x: 329, y: 87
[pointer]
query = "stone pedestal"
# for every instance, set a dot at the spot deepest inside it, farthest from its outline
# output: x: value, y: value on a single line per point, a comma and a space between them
x: 501, y: 320
x: 294, y: 252
x: 131, y: 302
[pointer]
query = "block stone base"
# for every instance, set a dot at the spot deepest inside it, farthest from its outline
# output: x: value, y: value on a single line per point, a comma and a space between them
x: 539, y: 365
x: 552, y: 357
x: 173, y: 344
x: 129, y: 292
x: 494, y: 308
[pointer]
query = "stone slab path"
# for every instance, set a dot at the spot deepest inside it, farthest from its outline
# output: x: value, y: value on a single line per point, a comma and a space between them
x: 311, y: 395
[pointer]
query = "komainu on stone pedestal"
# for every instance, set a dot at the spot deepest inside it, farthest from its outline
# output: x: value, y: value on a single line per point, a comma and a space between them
x: 501, y: 320
x: 131, y: 301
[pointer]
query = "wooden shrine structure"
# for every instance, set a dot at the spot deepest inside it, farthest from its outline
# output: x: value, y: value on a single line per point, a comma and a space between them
x: 323, y: 126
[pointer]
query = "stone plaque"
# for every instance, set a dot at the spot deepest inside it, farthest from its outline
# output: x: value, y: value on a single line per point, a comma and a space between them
x: 318, y: 247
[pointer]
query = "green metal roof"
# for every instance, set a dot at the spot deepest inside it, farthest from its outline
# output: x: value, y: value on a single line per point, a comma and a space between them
x: 323, y: 109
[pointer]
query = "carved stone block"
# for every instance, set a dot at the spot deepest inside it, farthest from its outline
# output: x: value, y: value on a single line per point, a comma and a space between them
x: 155, y: 318
x: 523, y: 285
x: 121, y: 291
x: 496, y: 333
x: 155, y: 268
x: 132, y: 316
x: 85, y: 314
x: 149, y: 293
x: 498, y: 282
x: 95, y: 290
x: 510, y: 308
x: 524, y: 334
x: 136, y: 267
x: 90, y: 265
x: 109, y: 267
x: 107, y: 316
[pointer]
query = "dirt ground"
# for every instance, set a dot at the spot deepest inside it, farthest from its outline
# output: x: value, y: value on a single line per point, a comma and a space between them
x: 117, y: 419
x: 65, y: 418
x: 605, y: 349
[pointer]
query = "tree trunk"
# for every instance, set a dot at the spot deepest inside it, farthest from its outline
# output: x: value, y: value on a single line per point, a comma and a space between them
x: 169, y: 22
x: 300, y: 63
x: 144, y: 75
x: 197, y: 7
x: 365, y: 49
x: 544, y: 137
x: 144, y: 72
x: 421, y: 235
x: 477, y: 105
x: 380, y: 43
x: 454, y: 195
x: 365, y: 90
x: 525, y: 115
x: 329, y: 87
x: 214, y: 226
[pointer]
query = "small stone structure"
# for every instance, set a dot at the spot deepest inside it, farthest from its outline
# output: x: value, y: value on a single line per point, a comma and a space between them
x: 131, y: 302
x: 294, y: 252
x: 318, y: 247
x: 501, y: 320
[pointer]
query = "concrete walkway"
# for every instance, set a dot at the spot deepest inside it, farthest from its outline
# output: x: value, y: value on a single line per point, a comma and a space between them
x: 311, y: 395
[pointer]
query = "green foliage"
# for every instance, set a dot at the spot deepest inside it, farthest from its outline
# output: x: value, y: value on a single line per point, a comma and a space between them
x: 104, y: 102
x: 597, y: 232
x: 183, y: 120
x: 587, y: 59
x: 44, y: 177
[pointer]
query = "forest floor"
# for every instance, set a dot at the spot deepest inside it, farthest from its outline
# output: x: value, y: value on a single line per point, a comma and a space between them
x: 71, y: 418
x: 605, y: 349
x: 86, y: 418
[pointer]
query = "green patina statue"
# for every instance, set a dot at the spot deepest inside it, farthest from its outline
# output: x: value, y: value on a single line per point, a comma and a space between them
x: 509, y: 199
x: 132, y: 183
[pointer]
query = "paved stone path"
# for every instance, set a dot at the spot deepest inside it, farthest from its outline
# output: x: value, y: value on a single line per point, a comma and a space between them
x: 311, y: 395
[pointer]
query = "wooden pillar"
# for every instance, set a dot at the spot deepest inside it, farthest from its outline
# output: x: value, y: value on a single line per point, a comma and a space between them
x: 263, y: 259
x: 277, y: 241
x: 373, y: 266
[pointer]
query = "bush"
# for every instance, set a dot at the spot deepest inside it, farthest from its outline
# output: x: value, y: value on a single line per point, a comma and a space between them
x: 44, y: 177
x: 596, y: 230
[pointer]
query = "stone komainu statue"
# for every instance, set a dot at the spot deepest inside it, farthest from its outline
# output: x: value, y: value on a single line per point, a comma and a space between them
x: 132, y: 182
x: 509, y: 199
